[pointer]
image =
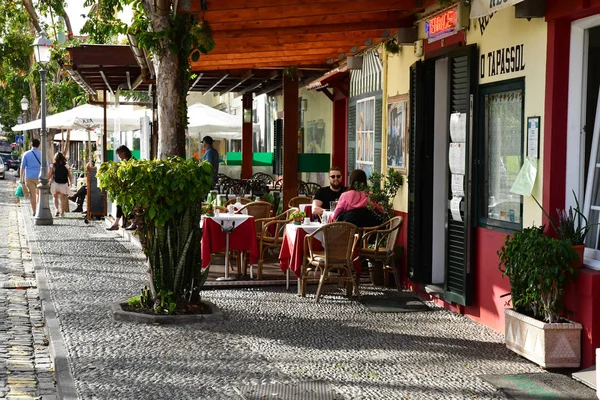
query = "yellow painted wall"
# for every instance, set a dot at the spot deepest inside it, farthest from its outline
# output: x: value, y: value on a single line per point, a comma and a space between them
x: 503, y: 31
x: 396, y: 68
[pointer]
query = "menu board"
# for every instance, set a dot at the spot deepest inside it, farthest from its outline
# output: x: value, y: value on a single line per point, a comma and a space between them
x: 457, y: 152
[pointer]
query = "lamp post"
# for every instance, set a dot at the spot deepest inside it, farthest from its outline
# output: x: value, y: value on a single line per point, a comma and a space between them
x: 24, y: 108
x: 41, y: 50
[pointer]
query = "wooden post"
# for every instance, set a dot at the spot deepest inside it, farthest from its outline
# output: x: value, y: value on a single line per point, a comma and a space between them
x: 246, y: 136
x: 290, y: 138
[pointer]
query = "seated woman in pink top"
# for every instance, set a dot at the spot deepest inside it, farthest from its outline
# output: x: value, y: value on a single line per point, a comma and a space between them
x: 353, y: 205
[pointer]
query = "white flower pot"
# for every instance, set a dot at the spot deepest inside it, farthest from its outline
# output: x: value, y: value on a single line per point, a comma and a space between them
x: 556, y: 345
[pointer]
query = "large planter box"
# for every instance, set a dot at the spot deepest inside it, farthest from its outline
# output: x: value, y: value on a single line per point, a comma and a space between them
x: 555, y: 345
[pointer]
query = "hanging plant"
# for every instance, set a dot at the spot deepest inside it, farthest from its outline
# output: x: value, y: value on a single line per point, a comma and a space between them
x: 291, y: 72
x: 392, y: 46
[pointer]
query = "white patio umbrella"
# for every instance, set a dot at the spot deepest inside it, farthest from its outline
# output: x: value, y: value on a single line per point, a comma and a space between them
x: 87, y: 117
x: 205, y: 120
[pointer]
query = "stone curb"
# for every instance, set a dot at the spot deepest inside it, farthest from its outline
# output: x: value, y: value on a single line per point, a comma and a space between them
x: 120, y: 315
x: 65, y: 383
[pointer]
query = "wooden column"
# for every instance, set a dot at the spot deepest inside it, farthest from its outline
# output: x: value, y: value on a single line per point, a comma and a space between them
x: 246, y: 136
x: 290, y: 138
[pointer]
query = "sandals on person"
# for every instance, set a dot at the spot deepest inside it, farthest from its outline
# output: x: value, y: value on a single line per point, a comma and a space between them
x: 57, y: 214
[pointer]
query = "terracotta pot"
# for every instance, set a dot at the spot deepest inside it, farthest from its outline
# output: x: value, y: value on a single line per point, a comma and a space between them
x: 579, y: 249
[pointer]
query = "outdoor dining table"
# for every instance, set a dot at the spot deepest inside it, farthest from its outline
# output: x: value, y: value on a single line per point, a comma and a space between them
x: 225, y: 232
x: 291, y: 255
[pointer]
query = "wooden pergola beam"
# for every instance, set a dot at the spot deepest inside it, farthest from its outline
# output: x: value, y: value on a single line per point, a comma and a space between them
x: 219, y: 5
x: 354, y: 34
x: 244, y: 46
x: 302, y: 53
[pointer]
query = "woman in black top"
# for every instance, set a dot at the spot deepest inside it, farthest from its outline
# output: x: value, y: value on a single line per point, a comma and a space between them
x: 61, y: 178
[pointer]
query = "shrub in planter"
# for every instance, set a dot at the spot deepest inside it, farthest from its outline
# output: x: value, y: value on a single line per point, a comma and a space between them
x: 539, y: 267
x: 166, y: 198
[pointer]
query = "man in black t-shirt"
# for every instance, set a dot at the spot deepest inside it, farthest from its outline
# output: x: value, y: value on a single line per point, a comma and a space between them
x: 328, y: 193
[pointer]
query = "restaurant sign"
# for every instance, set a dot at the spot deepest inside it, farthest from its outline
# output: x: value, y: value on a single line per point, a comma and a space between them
x: 442, y: 25
x: 481, y: 8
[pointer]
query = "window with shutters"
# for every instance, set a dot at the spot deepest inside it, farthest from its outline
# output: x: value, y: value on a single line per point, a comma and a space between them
x: 365, y: 134
x: 501, y: 153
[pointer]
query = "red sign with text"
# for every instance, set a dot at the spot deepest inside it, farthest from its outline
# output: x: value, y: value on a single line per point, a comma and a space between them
x: 442, y: 24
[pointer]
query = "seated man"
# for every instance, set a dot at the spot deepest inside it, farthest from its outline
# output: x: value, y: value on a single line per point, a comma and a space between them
x: 79, y: 198
x: 328, y: 193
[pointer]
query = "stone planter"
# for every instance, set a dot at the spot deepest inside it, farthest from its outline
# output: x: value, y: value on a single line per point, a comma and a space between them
x: 555, y: 345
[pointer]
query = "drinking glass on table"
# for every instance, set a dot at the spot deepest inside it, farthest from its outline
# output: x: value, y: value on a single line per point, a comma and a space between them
x: 332, y: 205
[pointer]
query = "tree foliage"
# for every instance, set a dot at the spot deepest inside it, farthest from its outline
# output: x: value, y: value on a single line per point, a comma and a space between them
x: 18, y: 72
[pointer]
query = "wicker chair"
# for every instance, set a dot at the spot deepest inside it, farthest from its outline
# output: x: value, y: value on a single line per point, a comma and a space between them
x: 270, y: 236
x: 296, y: 201
x: 339, y: 240
x: 310, y: 188
x: 377, y: 244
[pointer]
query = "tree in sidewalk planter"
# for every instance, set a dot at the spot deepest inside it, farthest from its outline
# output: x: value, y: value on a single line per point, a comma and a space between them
x: 172, y: 40
x: 538, y: 267
x: 166, y: 198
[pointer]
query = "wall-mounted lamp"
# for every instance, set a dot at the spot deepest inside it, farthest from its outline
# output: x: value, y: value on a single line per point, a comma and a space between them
x: 304, y: 104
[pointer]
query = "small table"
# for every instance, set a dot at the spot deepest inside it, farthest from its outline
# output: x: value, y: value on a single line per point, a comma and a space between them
x: 228, y: 231
x: 291, y: 255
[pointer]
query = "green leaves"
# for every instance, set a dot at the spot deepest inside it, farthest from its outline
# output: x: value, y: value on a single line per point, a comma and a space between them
x: 160, y: 189
x: 383, y: 193
x: 538, y: 267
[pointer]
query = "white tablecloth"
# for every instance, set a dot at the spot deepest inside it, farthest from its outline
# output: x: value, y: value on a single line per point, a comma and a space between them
x: 228, y: 220
x: 290, y: 230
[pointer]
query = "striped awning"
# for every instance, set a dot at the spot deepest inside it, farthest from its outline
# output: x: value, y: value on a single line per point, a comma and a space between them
x: 369, y: 78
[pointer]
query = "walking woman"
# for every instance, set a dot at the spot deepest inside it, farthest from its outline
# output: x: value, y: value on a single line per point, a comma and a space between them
x: 61, y: 178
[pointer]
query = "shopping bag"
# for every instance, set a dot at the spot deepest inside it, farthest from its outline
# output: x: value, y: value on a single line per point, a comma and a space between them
x: 19, y: 191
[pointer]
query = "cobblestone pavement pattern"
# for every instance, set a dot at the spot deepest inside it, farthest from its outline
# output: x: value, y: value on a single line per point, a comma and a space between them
x: 269, y: 336
x: 26, y: 370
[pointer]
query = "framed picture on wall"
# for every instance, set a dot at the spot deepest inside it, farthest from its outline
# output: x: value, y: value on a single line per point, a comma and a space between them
x: 397, y: 133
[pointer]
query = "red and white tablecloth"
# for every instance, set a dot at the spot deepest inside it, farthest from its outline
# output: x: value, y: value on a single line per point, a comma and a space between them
x: 243, y: 236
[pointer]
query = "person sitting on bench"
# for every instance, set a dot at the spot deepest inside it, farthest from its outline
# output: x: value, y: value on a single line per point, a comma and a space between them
x: 79, y: 198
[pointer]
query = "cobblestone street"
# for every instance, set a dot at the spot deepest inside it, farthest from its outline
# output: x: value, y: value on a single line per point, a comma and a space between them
x: 26, y: 369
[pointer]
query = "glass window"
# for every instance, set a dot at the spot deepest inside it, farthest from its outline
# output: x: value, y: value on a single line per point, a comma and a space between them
x: 365, y: 134
x: 502, y: 154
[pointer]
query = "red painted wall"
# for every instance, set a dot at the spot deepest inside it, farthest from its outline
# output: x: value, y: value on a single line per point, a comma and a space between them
x: 582, y: 298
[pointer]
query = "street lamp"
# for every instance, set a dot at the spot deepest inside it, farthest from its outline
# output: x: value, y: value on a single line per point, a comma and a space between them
x: 24, y: 108
x: 41, y: 50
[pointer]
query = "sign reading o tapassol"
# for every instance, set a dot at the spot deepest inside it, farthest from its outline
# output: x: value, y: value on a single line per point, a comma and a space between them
x: 481, y: 8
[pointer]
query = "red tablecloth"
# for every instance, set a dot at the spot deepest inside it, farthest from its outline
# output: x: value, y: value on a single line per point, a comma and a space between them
x: 243, y: 237
x: 290, y: 255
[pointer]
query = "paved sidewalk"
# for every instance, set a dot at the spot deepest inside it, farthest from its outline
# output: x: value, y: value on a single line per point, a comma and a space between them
x: 271, y: 340
x: 26, y: 369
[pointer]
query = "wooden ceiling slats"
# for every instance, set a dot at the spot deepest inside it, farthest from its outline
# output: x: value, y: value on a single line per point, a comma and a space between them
x: 301, y: 11
x: 257, y: 48
x: 355, y: 34
x: 273, y: 33
x: 382, y: 18
x: 218, y: 5
x: 277, y: 54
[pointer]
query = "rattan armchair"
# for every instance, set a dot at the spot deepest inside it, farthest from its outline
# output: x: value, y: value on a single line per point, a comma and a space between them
x: 335, y: 261
x: 377, y: 244
x: 270, y: 236
x: 296, y: 201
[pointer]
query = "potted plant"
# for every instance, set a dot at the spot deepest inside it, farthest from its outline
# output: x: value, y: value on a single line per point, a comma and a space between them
x: 298, y: 216
x: 208, y: 210
x: 539, y: 267
x: 166, y: 197
x: 571, y: 225
x: 383, y: 191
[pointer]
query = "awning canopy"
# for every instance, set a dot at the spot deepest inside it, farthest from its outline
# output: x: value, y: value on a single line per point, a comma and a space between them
x: 328, y: 78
